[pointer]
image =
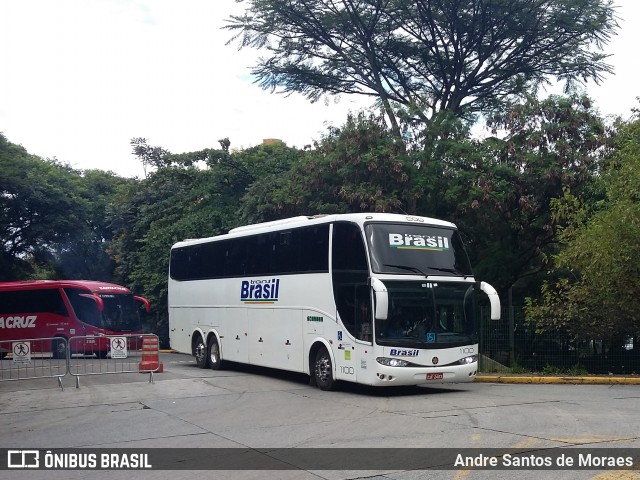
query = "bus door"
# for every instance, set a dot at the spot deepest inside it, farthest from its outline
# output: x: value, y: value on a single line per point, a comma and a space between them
x: 350, y: 278
x: 355, y: 335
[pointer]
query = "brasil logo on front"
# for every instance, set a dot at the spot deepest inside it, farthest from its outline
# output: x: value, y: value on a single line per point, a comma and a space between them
x: 260, y: 291
x: 418, y: 242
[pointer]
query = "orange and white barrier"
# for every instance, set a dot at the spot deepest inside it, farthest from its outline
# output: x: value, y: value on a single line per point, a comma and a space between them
x: 150, y: 358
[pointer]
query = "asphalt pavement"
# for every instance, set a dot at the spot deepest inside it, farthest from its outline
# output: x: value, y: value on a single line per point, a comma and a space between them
x: 190, y: 417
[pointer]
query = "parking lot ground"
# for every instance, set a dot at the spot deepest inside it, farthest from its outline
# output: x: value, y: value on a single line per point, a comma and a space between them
x: 241, y: 407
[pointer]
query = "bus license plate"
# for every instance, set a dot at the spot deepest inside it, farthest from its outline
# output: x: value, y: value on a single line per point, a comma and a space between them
x: 435, y: 376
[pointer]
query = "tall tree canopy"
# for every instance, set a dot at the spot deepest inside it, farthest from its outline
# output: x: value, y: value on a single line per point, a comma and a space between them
x: 425, y: 56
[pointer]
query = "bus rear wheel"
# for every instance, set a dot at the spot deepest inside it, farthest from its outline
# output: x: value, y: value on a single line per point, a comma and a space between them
x: 323, y: 370
x: 215, y: 362
x: 200, y: 352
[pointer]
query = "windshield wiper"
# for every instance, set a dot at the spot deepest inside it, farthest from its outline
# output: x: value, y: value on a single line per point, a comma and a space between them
x: 417, y: 270
x: 406, y: 267
x: 441, y: 269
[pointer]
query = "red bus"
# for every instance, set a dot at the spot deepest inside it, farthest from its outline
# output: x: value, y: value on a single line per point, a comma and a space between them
x: 61, y: 309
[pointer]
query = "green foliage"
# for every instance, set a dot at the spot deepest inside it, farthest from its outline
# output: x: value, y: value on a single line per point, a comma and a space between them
x: 190, y: 195
x: 574, y: 371
x: 515, y: 368
x: 269, y: 166
x: 577, y: 371
x: 551, y: 370
x: 170, y: 205
x: 597, y: 293
x: 501, y: 188
x: 52, y: 218
x: 360, y: 167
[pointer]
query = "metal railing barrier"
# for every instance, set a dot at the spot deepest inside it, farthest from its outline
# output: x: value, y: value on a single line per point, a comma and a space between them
x: 100, y: 355
x: 78, y: 356
x: 32, y: 358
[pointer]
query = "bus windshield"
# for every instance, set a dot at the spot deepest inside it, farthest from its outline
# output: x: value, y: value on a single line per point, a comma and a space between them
x: 428, y: 315
x: 120, y: 313
x: 416, y: 249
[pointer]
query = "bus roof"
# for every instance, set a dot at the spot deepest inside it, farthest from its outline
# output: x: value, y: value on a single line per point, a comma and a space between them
x: 92, y: 285
x: 302, y: 221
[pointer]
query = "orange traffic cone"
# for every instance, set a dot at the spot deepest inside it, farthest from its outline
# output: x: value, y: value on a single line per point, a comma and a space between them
x: 150, y: 360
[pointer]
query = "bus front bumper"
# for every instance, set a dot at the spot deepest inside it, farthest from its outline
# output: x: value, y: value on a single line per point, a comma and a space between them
x: 425, y: 375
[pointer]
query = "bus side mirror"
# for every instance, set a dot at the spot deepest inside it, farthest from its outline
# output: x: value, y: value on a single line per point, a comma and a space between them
x: 494, y: 299
x: 147, y: 305
x: 382, y: 299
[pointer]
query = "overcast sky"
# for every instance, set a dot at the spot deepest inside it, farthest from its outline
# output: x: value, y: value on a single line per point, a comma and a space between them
x: 80, y: 78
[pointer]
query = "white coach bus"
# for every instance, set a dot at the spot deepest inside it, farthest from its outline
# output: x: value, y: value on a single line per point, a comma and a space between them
x: 377, y: 299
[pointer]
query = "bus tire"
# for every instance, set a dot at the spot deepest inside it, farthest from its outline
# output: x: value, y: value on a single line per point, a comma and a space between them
x: 323, y: 370
x: 200, y: 352
x: 215, y: 360
x: 59, y: 348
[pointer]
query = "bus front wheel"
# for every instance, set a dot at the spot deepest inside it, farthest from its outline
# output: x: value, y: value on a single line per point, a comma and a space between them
x: 200, y: 352
x: 59, y: 348
x: 215, y: 362
x: 323, y: 370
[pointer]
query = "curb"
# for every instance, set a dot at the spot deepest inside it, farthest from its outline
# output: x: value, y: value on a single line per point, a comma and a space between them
x: 558, y: 380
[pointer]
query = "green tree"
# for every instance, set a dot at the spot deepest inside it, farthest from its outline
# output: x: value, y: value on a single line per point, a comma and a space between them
x: 504, y: 190
x: 425, y: 56
x: 147, y: 219
x: 268, y: 165
x: 359, y: 167
x: 40, y: 208
x: 188, y: 195
x: 598, y: 292
x: 85, y: 254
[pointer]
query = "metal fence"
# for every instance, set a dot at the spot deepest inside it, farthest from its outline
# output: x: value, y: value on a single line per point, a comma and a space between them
x: 79, y: 356
x: 509, y: 344
x: 31, y: 358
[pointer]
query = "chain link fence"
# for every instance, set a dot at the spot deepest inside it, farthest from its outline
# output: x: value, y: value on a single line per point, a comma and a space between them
x: 510, y: 345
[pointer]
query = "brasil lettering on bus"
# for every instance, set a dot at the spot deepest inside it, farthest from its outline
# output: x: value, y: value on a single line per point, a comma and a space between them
x: 260, y: 290
x: 400, y: 241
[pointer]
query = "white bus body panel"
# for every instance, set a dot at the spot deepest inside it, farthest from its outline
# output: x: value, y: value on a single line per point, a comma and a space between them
x: 276, y: 335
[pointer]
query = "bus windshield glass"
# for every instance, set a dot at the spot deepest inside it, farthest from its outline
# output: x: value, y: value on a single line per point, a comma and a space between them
x: 416, y: 249
x: 428, y: 315
x: 120, y: 313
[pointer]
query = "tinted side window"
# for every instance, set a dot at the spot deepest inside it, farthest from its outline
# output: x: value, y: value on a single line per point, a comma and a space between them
x: 285, y: 253
x: 259, y: 250
x: 299, y: 250
x: 32, y: 301
x: 348, y: 248
x: 350, y: 276
x: 179, y: 263
x: 314, y: 249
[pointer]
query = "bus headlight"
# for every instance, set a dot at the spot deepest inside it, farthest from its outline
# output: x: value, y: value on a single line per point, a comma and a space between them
x: 468, y: 360
x: 392, y: 362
